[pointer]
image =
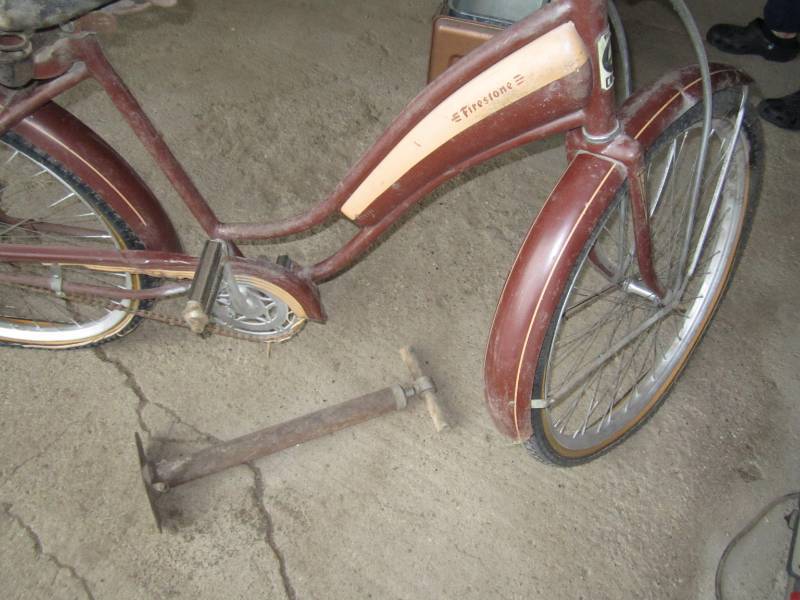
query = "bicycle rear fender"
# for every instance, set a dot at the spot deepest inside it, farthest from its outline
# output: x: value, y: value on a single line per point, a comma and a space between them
x: 543, y: 265
x: 74, y: 145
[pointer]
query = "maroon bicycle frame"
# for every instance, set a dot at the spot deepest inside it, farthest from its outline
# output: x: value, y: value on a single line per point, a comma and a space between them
x: 604, y: 145
x: 551, y: 111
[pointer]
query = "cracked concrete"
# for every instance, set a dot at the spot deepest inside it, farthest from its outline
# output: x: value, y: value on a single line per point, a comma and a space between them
x: 267, y: 105
x: 258, y: 499
x: 39, y: 550
x: 130, y: 381
x: 258, y: 483
x: 30, y: 459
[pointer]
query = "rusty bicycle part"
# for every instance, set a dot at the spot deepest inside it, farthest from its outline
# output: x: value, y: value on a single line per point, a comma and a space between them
x: 159, y: 476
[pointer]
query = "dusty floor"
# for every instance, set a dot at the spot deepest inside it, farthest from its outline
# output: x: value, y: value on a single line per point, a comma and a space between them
x: 268, y: 103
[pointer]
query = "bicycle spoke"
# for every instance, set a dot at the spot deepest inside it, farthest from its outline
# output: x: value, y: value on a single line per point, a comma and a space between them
x: 61, y: 200
x: 10, y: 158
x: 668, y: 170
x: 613, y: 397
x: 554, y: 398
x: 728, y: 154
x: 594, y: 329
x: 592, y: 408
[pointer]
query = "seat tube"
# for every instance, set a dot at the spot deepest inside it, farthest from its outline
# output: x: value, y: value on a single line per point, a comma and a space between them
x: 591, y: 20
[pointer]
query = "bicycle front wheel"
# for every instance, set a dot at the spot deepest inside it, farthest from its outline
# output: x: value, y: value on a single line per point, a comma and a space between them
x: 613, y: 350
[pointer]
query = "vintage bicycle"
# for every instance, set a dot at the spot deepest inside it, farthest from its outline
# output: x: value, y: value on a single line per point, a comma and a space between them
x: 612, y: 288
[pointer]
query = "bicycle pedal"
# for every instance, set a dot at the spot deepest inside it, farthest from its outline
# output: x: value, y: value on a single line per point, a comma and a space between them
x: 205, y: 286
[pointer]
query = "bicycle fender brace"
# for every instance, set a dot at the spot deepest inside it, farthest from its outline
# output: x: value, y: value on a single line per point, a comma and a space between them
x: 82, y: 151
x: 554, y: 241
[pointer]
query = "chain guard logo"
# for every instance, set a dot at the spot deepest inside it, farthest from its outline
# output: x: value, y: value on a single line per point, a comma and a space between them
x: 466, y: 111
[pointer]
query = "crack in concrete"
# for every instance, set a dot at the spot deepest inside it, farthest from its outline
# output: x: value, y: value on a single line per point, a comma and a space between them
x: 130, y: 383
x: 258, y: 481
x: 269, y: 530
x: 15, y: 469
x: 38, y: 550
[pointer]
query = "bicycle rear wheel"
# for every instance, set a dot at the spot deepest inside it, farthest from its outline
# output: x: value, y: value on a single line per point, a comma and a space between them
x: 41, y: 203
x: 613, y: 351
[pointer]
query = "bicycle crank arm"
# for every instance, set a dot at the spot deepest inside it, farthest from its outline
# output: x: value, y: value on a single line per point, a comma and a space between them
x: 159, y: 476
x: 205, y: 286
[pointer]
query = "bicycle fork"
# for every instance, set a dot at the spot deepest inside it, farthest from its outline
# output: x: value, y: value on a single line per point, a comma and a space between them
x: 627, y: 153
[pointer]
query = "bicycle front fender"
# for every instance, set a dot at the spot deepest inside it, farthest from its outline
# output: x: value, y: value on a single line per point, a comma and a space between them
x: 543, y: 265
x: 646, y: 114
x: 529, y: 298
x: 64, y: 137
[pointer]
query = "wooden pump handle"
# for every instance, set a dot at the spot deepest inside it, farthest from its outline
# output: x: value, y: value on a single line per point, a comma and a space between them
x: 425, y: 388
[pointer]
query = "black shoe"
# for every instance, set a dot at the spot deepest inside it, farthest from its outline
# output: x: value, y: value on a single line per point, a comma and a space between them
x: 756, y: 38
x: 783, y: 112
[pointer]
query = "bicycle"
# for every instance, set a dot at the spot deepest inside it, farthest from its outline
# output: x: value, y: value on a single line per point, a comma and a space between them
x: 612, y: 288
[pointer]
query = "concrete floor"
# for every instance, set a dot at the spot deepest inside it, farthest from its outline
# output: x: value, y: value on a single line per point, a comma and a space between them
x: 268, y: 103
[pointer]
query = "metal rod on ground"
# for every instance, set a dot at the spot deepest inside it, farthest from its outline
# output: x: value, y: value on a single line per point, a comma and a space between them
x: 279, y: 437
x: 160, y: 476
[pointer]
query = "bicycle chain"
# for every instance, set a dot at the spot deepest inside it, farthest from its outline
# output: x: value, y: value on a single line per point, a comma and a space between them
x: 211, y: 328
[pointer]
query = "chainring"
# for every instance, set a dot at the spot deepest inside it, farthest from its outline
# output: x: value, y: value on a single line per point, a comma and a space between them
x: 274, y: 318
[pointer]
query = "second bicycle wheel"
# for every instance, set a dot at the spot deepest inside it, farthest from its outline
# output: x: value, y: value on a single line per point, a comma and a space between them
x: 42, y: 203
x: 613, y: 350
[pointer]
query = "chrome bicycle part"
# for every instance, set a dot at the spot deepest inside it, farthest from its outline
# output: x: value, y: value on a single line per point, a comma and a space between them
x: 266, y: 315
x: 16, y: 60
x: 242, y: 302
x: 205, y: 286
x: 726, y: 165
